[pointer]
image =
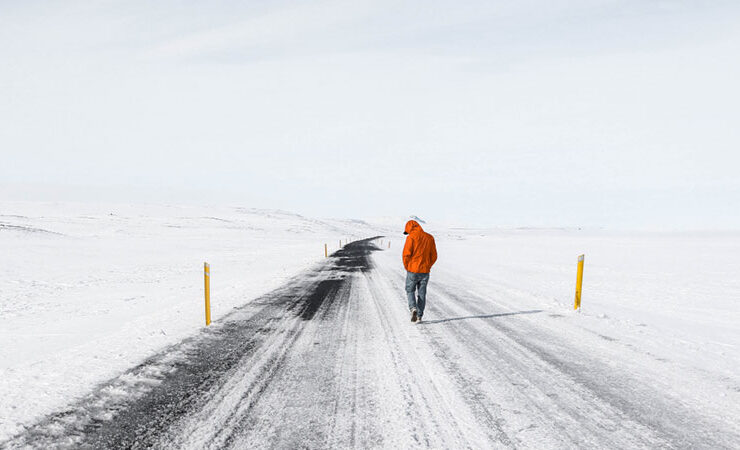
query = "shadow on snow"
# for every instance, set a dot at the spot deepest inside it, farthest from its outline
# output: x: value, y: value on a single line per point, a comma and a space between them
x: 481, y: 316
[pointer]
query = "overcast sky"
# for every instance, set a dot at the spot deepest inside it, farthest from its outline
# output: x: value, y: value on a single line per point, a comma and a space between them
x: 541, y: 113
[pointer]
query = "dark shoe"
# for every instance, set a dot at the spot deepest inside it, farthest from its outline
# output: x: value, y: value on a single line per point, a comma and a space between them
x: 418, y: 320
x: 413, y: 315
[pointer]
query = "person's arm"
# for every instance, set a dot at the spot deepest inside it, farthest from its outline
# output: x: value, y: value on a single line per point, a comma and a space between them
x: 408, y: 251
x: 434, y: 252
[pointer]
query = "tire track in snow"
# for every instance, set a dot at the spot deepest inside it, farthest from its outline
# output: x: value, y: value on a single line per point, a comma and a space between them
x: 588, y: 401
x: 442, y: 415
x: 415, y: 400
x: 497, y: 359
x: 298, y: 384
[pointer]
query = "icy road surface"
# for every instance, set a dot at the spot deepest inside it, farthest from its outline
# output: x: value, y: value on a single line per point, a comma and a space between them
x: 332, y: 360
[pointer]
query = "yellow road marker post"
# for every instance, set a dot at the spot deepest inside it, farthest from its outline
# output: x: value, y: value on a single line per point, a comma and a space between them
x: 207, y: 278
x: 326, y: 251
x: 579, y: 283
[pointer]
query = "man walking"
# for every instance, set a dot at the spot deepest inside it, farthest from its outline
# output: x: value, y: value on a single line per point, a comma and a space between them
x: 419, y: 254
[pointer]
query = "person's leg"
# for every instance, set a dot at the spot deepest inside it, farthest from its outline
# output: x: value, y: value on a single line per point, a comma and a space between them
x: 411, y: 289
x: 422, y: 301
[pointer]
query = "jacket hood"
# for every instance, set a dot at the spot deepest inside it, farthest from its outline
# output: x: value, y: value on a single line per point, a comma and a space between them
x: 412, y: 226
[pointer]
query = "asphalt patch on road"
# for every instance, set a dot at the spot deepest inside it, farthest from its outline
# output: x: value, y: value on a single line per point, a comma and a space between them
x: 353, y: 257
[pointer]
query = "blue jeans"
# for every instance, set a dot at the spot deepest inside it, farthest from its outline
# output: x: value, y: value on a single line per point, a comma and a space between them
x: 417, y: 282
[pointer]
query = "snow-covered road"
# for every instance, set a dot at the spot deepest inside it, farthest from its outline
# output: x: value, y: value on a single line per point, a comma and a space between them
x: 332, y: 360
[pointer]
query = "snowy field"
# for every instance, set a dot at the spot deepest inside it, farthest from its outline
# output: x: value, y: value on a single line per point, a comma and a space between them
x: 90, y: 291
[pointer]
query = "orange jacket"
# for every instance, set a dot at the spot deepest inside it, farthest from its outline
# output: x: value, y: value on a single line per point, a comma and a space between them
x: 419, y: 253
